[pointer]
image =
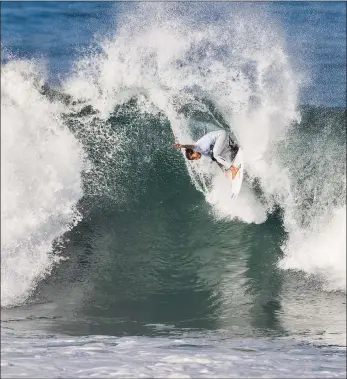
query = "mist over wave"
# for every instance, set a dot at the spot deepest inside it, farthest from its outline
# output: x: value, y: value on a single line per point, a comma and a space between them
x: 177, y: 62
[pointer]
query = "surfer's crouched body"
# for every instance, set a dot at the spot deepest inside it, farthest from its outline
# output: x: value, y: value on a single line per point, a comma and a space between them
x: 217, y: 145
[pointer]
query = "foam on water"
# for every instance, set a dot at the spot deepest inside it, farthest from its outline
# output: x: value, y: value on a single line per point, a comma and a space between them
x: 41, y: 163
x: 320, y: 250
x: 317, y: 222
x: 181, y: 356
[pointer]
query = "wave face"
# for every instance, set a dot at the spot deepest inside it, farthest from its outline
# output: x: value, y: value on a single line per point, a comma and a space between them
x: 174, y: 57
x: 89, y: 175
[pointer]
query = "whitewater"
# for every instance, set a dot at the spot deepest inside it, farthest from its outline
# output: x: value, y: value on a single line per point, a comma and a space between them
x: 95, y: 142
x: 241, y: 66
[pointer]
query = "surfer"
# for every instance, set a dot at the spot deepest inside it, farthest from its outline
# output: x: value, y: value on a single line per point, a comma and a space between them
x: 214, y: 145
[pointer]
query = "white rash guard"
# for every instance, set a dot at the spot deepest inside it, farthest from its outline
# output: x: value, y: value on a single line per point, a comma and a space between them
x: 218, y: 141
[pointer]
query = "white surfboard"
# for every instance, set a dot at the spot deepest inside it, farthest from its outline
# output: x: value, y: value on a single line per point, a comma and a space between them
x: 235, y: 175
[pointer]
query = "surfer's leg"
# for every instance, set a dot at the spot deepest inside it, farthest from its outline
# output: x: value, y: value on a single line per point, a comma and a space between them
x: 234, y: 148
x: 221, y: 142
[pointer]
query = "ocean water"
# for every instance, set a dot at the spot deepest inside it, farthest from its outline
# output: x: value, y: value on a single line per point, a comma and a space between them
x: 120, y: 258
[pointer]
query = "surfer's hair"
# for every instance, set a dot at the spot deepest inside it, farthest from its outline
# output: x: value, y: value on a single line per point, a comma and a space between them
x: 189, y: 153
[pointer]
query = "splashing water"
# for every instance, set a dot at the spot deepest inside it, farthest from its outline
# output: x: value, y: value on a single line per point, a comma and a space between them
x: 40, y: 180
x: 170, y: 55
x: 236, y: 59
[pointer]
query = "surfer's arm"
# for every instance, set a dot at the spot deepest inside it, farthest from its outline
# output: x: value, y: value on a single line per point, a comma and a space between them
x: 220, y: 166
x: 222, y: 163
x: 223, y: 168
x: 179, y: 146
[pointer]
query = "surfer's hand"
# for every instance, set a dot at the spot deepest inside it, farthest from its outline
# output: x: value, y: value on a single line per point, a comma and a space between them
x: 177, y: 145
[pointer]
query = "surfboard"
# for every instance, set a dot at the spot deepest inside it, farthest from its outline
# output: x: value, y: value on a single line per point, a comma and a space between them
x: 235, y: 175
